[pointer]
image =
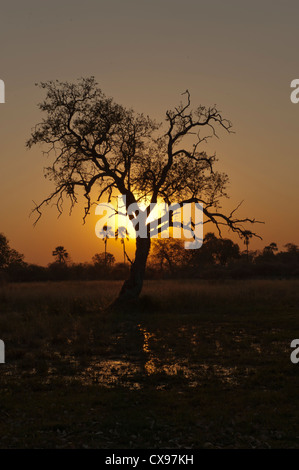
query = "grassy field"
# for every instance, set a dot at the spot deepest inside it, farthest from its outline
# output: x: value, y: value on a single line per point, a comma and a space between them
x: 196, y: 365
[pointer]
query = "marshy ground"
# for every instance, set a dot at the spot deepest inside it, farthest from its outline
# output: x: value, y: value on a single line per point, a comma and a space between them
x: 195, y: 364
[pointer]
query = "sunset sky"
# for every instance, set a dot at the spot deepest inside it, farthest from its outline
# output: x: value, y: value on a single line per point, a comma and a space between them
x: 239, y: 55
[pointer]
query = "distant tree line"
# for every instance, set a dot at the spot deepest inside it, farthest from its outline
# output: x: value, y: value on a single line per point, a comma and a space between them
x: 222, y: 258
x: 218, y: 258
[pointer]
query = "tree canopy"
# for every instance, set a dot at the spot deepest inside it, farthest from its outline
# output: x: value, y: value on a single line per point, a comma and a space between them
x: 105, y: 149
x: 8, y: 256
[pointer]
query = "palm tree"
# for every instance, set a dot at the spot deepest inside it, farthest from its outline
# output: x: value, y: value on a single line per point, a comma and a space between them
x: 106, y: 233
x: 123, y: 234
x: 60, y: 254
x: 247, y: 235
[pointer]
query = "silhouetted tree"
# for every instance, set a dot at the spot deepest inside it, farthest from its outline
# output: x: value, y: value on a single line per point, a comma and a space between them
x: 105, y: 260
x: 123, y: 235
x: 247, y: 236
x: 270, y: 250
x: 101, y: 147
x: 61, y: 255
x: 291, y: 248
x: 216, y: 251
x: 8, y: 256
x: 290, y: 258
x: 106, y: 233
x: 170, y: 253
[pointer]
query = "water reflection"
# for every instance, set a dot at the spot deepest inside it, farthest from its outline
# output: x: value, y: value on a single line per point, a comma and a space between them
x: 110, y: 373
x: 150, y: 365
x: 154, y: 357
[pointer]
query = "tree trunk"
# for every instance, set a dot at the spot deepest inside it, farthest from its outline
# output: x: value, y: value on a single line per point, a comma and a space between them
x: 133, y: 286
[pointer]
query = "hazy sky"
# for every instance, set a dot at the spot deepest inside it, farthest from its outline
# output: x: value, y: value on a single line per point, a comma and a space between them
x: 240, y: 55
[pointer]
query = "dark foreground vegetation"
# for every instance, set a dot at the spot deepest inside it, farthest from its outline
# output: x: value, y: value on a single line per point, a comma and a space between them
x: 197, y: 364
x: 218, y: 258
